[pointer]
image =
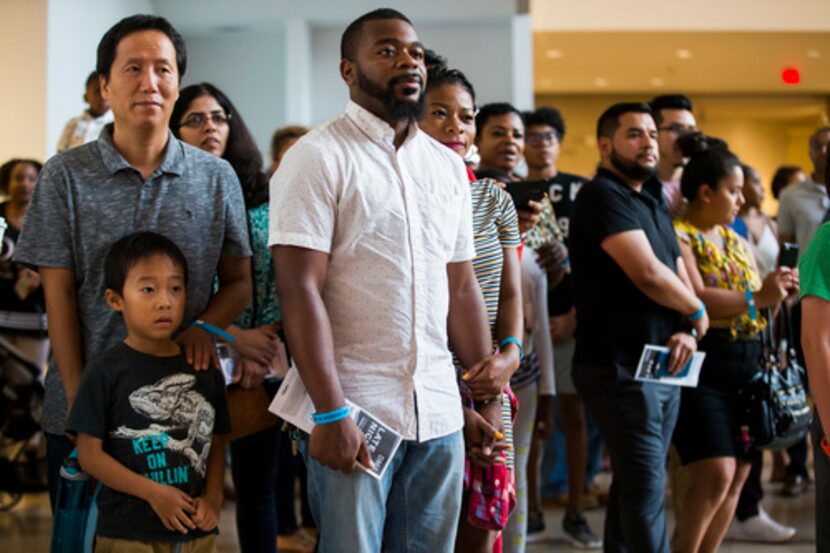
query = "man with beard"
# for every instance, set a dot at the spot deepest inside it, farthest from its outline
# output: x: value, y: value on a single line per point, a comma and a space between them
x: 371, y: 229
x: 631, y: 289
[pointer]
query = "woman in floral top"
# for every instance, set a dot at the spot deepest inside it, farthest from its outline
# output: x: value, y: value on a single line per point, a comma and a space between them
x: 711, y: 436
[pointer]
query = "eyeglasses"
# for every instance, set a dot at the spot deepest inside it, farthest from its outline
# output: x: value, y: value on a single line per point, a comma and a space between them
x: 677, y: 128
x: 539, y: 138
x: 197, y: 120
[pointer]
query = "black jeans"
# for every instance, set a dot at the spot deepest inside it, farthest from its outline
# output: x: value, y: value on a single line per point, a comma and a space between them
x: 752, y: 493
x: 254, y: 471
x: 636, y: 421
x: 58, y: 448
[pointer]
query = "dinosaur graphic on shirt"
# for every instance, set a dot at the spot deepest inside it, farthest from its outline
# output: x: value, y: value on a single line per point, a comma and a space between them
x: 175, y: 407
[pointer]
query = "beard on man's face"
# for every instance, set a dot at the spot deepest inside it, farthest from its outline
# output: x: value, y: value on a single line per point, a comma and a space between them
x: 632, y: 169
x: 398, y: 110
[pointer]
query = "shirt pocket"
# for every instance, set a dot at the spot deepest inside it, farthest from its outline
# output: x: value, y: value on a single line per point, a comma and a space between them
x: 440, y: 213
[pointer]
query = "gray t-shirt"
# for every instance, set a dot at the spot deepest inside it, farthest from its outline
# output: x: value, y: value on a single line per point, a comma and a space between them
x: 90, y: 196
x: 800, y: 211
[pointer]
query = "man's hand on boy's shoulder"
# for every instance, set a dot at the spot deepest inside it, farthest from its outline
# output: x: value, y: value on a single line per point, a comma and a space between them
x: 207, y: 513
x: 198, y: 347
x: 173, y: 507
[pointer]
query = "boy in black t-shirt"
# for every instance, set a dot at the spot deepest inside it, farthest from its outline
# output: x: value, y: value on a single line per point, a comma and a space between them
x: 148, y: 424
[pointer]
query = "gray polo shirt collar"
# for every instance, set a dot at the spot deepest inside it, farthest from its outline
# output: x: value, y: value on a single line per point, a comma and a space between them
x: 173, y: 162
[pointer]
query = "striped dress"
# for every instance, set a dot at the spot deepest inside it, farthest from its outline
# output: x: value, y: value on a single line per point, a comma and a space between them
x: 495, y: 226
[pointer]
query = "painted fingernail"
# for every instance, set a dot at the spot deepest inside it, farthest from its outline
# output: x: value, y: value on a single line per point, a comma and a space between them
x: 499, y: 435
x: 465, y: 376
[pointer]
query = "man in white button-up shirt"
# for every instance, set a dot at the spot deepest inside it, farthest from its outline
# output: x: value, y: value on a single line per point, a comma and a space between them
x: 371, y: 229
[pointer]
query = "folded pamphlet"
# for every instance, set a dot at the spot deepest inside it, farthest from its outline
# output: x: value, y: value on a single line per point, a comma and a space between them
x: 654, y: 367
x: 293, y: 405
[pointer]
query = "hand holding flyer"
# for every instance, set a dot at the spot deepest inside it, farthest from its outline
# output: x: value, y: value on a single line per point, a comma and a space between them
x: 293, y: 404
x: 653, y: 367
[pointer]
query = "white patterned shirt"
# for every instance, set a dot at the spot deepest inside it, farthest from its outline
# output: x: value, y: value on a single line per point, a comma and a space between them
x: 82, y: 129
x: 390, y: 220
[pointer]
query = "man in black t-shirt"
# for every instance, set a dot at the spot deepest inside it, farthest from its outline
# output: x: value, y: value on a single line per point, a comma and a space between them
x: 149, y: 426
x: 545, y: 130
x: 631, y: 289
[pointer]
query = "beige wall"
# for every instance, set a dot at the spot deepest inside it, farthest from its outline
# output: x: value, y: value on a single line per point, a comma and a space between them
x: 765, y: 132
x: 700, y: 15
x: 23, y: 66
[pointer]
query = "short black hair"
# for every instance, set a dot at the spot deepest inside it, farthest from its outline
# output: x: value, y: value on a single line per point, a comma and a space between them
x: 439, y: 75
x: 549, y: 116
x: 91, y: 78
x: 609, y: 121
x: 668, y: 101
x: 782, y: 178
x: 7, y: 168
x: 710, y: 160
x: 351, y: 36
x: 133, y: 24
x: 434, y: 59
x: 495, y: 109
x: 132, y: 248
x: 814, y: 143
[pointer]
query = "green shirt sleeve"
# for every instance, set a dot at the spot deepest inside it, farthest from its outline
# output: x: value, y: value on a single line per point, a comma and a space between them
x: 814, y: 265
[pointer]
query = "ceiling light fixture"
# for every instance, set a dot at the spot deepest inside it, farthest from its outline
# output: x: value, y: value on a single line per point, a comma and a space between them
x: 683, y: 54
x: 657, y: 82
x: 814, y: 54
x: 554, y: 54
x: 601, y: 82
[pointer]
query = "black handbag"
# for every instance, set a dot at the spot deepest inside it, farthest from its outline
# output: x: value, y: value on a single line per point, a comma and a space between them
x: 776, y: 402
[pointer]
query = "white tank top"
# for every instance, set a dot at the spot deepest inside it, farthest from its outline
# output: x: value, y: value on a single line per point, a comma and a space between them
x: 766, y: 251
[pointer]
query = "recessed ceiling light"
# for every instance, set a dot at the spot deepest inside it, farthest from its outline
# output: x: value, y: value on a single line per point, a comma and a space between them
x: 553, y: 54
x: 546, y: 82
x: 815, y: 54
x: 683, y: 54
x: 657, y: 82
x: 601, y: 82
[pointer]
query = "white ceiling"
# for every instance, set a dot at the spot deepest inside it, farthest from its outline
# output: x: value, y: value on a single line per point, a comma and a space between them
x: 206, y: 16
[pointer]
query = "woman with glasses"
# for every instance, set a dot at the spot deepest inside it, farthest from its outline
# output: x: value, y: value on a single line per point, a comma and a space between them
x: 205, y: 118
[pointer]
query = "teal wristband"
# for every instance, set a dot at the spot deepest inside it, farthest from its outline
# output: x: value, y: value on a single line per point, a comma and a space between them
x: 750, y: 303
x: 215, y: 330
x: 331, y: 416
x: 517, y: 342
x: 699, y: 313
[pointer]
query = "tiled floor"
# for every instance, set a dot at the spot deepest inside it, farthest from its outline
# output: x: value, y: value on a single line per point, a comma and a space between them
x: 27, y: 527
x: 797, y: 512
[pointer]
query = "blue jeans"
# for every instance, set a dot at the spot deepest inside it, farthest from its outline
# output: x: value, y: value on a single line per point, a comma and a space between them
x: 414, y: 508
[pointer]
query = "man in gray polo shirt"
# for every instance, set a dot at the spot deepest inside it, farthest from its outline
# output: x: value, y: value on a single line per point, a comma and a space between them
x: 803, y: 205
x: 136, y: 176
